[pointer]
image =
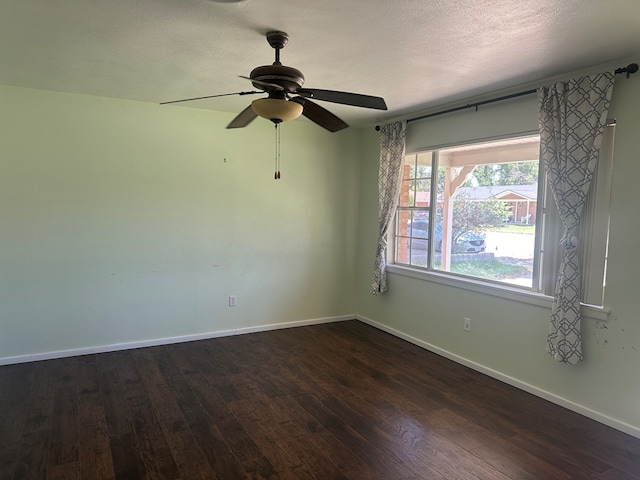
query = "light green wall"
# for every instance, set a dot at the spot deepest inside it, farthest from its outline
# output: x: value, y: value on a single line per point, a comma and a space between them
x: 125, y: 222
x: 509, y: 337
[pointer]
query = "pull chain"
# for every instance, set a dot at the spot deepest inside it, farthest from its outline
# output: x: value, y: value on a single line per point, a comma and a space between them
x: 276, y: 175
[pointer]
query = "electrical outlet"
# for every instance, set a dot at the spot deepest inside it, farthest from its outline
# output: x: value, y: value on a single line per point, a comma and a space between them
x: 467, y: 324
x: 232, y: 300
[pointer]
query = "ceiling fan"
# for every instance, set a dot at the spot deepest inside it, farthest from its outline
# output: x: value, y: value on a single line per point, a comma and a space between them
x: 287, y: 99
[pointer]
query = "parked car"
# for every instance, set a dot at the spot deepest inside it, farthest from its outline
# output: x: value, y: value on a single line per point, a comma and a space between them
x: 468, y: 242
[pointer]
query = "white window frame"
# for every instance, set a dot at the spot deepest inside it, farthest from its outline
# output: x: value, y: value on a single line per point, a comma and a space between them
x: 594, y: 226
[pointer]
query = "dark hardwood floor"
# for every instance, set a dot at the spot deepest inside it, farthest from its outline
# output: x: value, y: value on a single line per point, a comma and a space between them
x: 336, y: 401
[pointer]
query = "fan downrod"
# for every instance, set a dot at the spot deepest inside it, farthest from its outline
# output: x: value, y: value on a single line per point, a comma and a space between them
x: 289, y: 79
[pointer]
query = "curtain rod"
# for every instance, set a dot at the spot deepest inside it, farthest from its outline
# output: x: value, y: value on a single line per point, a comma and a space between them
x: 629, y: 69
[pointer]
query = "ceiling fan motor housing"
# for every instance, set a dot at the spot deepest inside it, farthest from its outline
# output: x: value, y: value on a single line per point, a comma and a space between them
x: 289, y: 78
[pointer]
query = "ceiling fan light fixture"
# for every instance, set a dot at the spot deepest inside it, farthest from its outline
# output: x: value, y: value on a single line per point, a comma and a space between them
x: 277, y: 110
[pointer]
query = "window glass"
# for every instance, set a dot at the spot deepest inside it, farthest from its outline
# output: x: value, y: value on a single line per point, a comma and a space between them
x: 487, y: 212
x: 485, y: 219
x: 413, y: 211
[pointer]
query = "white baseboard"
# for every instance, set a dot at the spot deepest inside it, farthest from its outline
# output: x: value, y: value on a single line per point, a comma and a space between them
x: 167, y: 341
x: 558, y: 400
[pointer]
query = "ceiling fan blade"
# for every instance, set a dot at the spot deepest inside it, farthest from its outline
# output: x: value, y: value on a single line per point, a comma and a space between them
x: 244, y: 118
x: 345, y: 98
x: 320, y: 115
x: 210, y: 96
x: 267, y: 85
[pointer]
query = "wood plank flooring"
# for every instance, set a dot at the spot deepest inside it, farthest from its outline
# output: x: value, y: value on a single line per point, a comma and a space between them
x: 339, y: 401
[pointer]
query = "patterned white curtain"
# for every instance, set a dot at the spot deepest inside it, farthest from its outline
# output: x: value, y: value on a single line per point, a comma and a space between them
x: 572, y: 117
x: 392, y: 144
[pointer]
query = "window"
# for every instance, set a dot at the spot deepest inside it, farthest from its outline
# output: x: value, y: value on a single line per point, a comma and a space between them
x: 481, y: 211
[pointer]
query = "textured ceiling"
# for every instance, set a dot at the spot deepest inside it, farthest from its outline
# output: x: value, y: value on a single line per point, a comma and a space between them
x: 414, y: 53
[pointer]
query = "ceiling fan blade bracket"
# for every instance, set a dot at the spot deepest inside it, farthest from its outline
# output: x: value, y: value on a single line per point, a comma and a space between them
x: 253, y: 92
x: 262, y: 84
x: 305, y: 93
x: 344, y: 98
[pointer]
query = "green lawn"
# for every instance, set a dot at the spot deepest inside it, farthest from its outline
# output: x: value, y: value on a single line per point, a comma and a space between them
x: 515, y: 228
x: 490, y: 269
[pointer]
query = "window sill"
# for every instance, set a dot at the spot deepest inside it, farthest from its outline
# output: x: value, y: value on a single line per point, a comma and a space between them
x: 494, y: 289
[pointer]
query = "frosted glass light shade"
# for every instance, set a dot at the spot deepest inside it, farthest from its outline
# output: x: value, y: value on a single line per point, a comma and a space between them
x: 276, y: 110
